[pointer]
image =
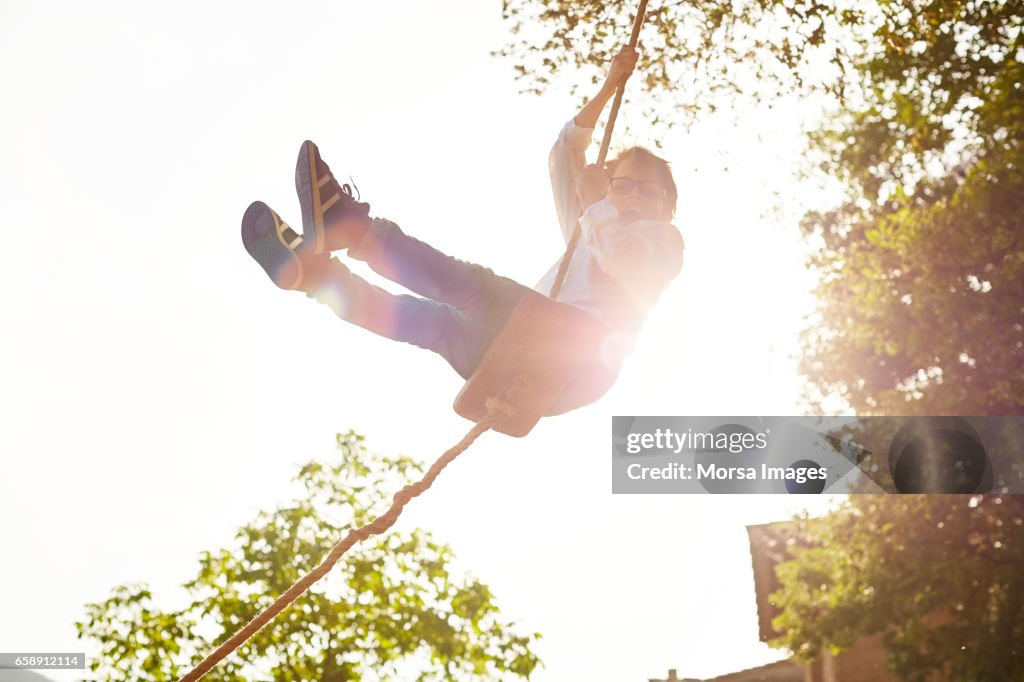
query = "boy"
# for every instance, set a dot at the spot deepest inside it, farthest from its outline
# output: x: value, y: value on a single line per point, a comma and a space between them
x: 627, y: 254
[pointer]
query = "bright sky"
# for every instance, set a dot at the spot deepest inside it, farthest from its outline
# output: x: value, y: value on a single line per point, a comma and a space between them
x: 157, y: 390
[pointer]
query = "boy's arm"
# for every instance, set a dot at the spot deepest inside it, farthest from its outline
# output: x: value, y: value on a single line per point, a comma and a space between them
x: 621, y: 68
x: 642, y: 259
x: 567, y: 160
x: 565, y: 163
x: 644, y: 264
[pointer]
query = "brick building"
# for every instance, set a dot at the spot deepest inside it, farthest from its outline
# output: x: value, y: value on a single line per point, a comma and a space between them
x: 863, y: 662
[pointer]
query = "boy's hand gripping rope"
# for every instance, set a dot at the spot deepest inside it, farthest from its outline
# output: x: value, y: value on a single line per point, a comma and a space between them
x: 563, y: 266
x: 497, y: 408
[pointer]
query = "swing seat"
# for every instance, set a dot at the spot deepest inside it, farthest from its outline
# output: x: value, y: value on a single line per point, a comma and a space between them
x: 542, y: 347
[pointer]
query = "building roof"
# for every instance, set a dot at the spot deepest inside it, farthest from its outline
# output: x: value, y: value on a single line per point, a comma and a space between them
x: 781, y: 671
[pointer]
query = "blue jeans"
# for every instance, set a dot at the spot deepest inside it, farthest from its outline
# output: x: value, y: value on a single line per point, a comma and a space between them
x: 463, y: 308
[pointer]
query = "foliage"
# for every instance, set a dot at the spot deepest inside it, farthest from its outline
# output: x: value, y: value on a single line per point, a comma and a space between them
x: 940, y: 576
x: 920, y: 301
x: 389, y: 609
x: 696, y: 57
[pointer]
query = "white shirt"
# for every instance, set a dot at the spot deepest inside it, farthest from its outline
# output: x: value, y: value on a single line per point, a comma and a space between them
x: 596, y: 280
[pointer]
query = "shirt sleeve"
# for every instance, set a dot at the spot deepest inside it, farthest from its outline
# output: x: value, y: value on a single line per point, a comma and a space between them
x: 642, y: 257
x: 566, y: 160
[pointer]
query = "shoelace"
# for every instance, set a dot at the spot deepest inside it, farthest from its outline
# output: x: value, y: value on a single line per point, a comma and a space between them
x: 347, y: 189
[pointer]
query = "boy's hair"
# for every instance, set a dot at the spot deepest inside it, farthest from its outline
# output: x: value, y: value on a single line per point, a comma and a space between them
x: 660, y: 165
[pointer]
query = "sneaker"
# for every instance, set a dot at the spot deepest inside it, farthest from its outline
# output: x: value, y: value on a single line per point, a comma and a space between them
x: 280, y: 250
x: 332, y: 219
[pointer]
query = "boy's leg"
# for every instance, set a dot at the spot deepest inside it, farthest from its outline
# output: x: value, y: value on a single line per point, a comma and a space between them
x: 334, y: 220
x: 473, y: 289
x: 428, y: 324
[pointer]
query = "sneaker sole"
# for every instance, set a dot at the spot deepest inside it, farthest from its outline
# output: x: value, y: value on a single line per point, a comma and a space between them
x: 309, y: 198
x: 270, y: 242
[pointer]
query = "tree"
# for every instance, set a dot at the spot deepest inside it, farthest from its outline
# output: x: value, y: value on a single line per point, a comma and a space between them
x: 391, y: 608
x: 920, y: 301
x: 696, y: 57
x: 941, y: 577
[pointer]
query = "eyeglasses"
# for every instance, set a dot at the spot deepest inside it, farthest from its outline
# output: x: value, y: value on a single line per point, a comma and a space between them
x: 648, y: 189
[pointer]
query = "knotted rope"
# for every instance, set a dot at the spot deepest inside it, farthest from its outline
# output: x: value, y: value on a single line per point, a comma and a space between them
x: 497, y: 408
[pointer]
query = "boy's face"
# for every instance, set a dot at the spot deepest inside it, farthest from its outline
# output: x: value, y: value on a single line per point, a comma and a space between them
x: 636, y: 191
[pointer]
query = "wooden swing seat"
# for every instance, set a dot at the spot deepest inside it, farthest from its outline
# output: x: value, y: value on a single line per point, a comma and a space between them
x: 543, y: 345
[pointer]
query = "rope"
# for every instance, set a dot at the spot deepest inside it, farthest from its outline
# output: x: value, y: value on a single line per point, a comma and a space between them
x: 497, y: 408
x: 563, y: 267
